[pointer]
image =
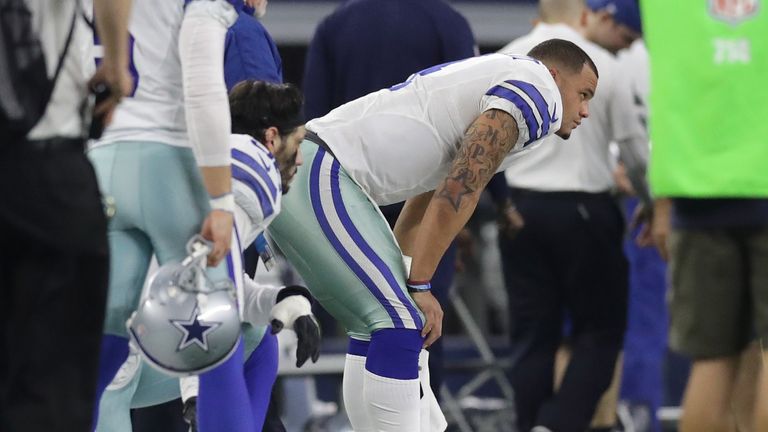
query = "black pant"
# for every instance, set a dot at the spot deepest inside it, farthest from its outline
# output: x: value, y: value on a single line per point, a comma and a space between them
x: 566, y: 262
x: 53, y: 286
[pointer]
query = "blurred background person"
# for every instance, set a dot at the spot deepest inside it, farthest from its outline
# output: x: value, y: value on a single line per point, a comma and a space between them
x: 53, y: 228
x: 708, y: 171
x: 566, y: 263
x: 645, y: 342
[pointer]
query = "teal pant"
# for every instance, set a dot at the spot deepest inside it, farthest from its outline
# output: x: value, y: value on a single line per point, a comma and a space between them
x: 342, y: 246
x: 160, y: 204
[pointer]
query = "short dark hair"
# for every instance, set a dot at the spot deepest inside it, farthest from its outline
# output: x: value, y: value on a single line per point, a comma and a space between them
x: 257, y: 105
x: 563, y: 53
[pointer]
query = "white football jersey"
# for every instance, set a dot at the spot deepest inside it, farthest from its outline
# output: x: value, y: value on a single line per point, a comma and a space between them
x: 583, y: 162
x: 399, y: 142
x: 155, y: 109
x: 256, y: 185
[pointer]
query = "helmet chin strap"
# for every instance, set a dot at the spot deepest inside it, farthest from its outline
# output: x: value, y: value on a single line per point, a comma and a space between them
x: 195, y: 263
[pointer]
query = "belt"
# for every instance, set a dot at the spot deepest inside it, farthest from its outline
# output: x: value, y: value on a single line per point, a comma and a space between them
x: 311, y: 136
x: 518, y: 193
x: 56, y: 144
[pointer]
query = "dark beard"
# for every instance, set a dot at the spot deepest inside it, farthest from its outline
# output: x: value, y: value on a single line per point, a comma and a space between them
x: 285, y: 181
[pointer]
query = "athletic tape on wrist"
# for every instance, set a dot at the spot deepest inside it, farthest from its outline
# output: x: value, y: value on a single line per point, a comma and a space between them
x: 224, y: 202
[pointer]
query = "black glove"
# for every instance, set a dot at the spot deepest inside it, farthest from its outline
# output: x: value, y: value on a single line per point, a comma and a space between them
x: 293, y: 310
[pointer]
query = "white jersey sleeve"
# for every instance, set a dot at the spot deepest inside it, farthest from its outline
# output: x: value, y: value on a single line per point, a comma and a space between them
x: 256, y: 184
x: 259, y: 299
x: 530, y: 99
x: 201, y: 52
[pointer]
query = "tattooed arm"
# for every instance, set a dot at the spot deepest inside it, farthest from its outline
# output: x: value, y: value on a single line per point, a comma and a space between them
x: 487, y: 141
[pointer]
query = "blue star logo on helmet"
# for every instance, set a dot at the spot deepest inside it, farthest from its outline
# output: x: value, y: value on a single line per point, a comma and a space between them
x: 194, y: 331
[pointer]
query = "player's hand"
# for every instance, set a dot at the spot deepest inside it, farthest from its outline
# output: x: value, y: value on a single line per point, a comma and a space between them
x: 662, y: 225
x: 256, y: 4
x: 642, y: 215
x: 656, y: 233
x: 510, y: 221
x: 621, y: 179
x: 217, y: 228
x: 293, y: 310
x: 259, y: 7
x: 643, y: 218
x: 120, y: 83
x: 430, y: 307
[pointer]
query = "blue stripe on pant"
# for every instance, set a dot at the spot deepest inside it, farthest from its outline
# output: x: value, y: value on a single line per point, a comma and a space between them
x: 339, y: 211
x: 364, y: 246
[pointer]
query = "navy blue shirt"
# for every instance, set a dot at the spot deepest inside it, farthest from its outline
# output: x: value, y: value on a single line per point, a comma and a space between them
x: 249, y: 51
x: 367, y: 45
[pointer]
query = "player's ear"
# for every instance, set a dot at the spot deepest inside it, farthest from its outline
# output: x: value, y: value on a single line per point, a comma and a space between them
x: 555, y: 74
x: 270, y: 134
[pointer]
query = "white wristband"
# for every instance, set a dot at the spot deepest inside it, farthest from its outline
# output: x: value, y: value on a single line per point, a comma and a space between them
x: 224, y: 202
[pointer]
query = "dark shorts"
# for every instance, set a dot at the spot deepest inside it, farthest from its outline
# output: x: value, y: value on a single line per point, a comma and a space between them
x: 719, y: 290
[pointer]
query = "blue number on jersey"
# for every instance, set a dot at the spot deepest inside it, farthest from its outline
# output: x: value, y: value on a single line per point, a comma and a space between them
x: 522, y: 57
x: 426, y: 71
x: 436, y: 68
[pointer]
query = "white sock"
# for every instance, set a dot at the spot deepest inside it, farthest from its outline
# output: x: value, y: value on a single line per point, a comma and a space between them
x: 354, y: 377
x: 189, y: 386
x: 393, y: 404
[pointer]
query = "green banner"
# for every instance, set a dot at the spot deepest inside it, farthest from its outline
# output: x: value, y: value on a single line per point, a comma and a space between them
x: 709, y: 97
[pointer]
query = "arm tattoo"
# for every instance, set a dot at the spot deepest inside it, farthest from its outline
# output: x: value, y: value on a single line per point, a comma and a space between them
x: 486, y: 143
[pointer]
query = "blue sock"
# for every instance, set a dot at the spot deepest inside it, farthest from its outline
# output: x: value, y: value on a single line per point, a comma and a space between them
x: 394, y: 353
x: 112, y: 355
x: 223, y: 402
x: 260, y: 375
x: 358, y: 347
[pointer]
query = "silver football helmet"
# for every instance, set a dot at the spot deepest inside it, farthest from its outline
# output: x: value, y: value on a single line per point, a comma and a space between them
x: 185, y: 324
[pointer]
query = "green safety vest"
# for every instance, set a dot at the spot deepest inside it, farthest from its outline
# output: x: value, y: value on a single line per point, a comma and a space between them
x: 709, y: 97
